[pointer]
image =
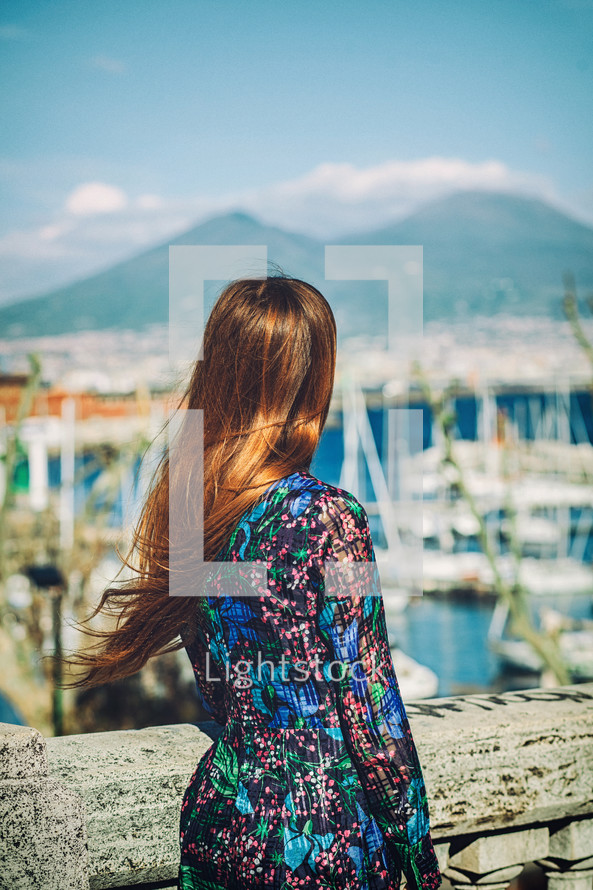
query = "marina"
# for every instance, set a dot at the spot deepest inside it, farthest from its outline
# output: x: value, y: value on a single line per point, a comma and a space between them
x: 525, y: 462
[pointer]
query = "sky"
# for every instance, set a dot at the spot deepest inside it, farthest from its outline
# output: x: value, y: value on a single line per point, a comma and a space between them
x: 126, y: 123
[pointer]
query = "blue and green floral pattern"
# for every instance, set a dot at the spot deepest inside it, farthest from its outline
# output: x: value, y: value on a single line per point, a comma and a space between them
x: 315, y: 781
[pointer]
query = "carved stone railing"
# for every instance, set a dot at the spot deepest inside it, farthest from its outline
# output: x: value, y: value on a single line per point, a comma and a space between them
x: 509, y: 780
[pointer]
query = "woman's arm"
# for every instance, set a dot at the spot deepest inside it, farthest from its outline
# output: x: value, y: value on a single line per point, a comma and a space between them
x: 210, y: 681
x: 351, y: 620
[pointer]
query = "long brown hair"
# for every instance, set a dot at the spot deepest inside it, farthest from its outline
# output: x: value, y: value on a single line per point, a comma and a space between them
x: 264, y: 386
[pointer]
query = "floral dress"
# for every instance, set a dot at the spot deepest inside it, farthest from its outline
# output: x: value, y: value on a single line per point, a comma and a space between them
x: 315, y: 780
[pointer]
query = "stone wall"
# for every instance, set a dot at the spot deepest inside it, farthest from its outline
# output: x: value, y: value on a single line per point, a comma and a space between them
x: 509, y: 780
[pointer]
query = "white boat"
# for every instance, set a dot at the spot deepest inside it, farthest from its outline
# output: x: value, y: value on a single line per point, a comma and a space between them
x: 415, y: 681
x: 447, y: 571
x: 395, y: 596
x: 575, y: 642
x: 555, y: 576
x: 400, y: 563
x: 440, y: 520
x: 540, y: 577
x: 533, y: 530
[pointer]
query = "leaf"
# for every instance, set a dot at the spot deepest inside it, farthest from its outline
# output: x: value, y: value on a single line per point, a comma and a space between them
x: 417, y: 824
x: 370, y: 830
x: 299, y: 505
x: 334, y: 732
x: 296, y: 847
x: 225, y: 770
x: 192, y: 877
x: 242, y: 802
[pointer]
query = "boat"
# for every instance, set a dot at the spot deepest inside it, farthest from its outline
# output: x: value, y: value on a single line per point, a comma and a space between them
x: 400, y: 562
x: 574, y: 636
x: 472, y: 570
x: 416, y: 681
x: 395, y: 596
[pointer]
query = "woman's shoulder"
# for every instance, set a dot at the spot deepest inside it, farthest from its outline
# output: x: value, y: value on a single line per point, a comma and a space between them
x: 303, y: 493
x: 312, y: 493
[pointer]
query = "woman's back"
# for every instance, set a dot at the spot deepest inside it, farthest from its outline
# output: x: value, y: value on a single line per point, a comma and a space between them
x: 315, y: 780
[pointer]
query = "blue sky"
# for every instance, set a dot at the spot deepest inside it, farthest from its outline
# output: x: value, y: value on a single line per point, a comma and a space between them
x: 126, y: 122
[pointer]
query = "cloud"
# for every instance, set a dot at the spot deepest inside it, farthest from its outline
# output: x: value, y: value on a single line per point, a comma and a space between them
x: 74, y: 245
x: 108, y: 64
x: 338, y: 198
x: 149, y: 202
x: 92, y: 198
x: 53, y: 231
x: 99, y: 224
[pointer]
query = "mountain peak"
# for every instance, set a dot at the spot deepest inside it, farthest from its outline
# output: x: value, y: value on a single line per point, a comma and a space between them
x: 484, y: 253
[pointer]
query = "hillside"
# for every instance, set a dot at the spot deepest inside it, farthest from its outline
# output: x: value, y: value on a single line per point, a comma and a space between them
x: 484, y: 253
x: 134, y: 293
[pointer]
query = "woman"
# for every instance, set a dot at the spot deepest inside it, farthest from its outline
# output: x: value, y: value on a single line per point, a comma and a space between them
x: 315, y: 780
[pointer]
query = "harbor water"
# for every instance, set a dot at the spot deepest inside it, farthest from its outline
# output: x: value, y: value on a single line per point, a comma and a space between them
x: 447, y: 634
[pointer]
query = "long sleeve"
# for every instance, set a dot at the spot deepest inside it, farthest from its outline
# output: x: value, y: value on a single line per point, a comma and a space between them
x: 371, y: 711
x: 210, y: 679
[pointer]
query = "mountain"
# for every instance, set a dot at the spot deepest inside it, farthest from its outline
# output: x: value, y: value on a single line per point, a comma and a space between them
x: 134, y: 293
x: 484, y: 253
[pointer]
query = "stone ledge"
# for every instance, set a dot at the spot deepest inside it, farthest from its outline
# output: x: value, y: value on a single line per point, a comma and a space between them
x: 491, y: 763
x: 497, y: 761
x: 132, y: 782
x: 44, y: 840
x: 22, y: 752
